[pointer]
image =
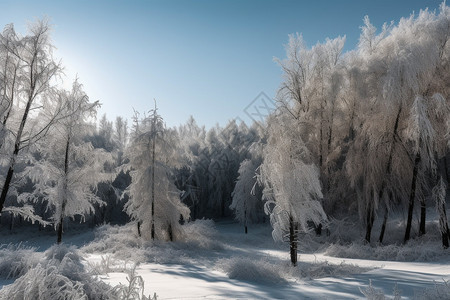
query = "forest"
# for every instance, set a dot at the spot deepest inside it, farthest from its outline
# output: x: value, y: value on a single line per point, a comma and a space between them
x: 355, y: 152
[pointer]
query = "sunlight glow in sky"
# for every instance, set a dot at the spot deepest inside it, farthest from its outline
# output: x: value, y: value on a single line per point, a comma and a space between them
x: 208, y: 59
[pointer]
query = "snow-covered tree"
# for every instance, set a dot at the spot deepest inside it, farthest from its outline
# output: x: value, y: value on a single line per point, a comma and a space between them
x: 30, y: 85
x: 154, y: 200
x: 311, y: 93
x: 426, y: 63
x: 120, y: 137
x: 292, y: 188
x: 438, y: 193
x: 68, y: 169
x: 246, y: 205
x: 9, y: 74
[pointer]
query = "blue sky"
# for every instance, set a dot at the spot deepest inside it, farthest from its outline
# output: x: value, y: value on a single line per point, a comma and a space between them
x: 209, y: 59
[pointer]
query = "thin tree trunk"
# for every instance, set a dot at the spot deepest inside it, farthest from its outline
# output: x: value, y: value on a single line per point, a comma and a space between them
x: 64, y: 200
x: 170, y: 231
x: 319, y: 229
x: 293, y: 228
x: 245, y: 217
x: 383, y: 226
x: 17, y: 145
x: 139, y: 228
x: 423, y: 214
x: 370, y: 217
x: 60, y: 230
x: 412, y: 197
x: 7, y: 183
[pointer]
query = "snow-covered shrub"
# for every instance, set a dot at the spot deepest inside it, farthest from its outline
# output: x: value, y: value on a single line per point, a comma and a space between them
x: 120, y: 241
x: 107, y: 265
x: 372, y: 293
x: 16, y: 260
x: 199, y: 240
x: 324, y: 269
x: 123, y: 243
x: 134, y: 290
x: 263, y: 270
x: 201, y: 234
x: 247, y: 269
x: 416, y: 250
x: 43, y: 283
x: 60, y: 275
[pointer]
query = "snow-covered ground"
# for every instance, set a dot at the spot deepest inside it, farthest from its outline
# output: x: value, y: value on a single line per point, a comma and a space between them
x: 254, y: 267
x: 227, y: 264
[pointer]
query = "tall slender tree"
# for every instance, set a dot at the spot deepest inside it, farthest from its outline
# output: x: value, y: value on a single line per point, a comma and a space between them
x: 154, y: 200
x: 68, y: 169
x: 34, y: 90
x: 292, y: 188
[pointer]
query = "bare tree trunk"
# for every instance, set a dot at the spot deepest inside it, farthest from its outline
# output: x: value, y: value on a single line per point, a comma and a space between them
x: 370, y: 218
x: 318, y: 229
x: 383, y: 226
x: 245, y: 217
x: 60, y: 230
x: 423, y: 214
x: 139, y: 228
x: 64, y: 200
x: 17, y: 145
x: 170, y: 231
x: 7, y: 183
x: 293, y: 240
x: 412, y: 197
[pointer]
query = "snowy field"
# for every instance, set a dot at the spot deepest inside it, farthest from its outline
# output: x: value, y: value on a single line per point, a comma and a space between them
x: 224, y: 263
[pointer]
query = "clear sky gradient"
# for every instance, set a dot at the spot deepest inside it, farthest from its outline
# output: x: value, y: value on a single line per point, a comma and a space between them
x: 205, y: 58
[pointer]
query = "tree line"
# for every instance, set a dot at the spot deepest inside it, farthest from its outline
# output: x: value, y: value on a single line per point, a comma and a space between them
x: 363, y: 132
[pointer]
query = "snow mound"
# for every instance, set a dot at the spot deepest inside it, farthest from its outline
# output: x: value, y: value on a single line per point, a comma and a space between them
x: 43, y: 283
x: 325, y: 269
x: 60, y: 275
x: 273, y: 272
x: 120, y: 241
x: 246, y: 269
x: 200, y: 240
x: 16, y: 260
x: 201, y: 234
